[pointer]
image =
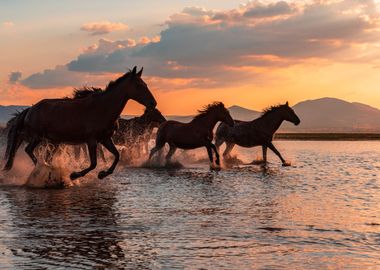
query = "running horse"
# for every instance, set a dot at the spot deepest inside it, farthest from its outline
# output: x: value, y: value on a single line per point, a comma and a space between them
x: 90, y: 120
x: 136, y: 132
x: 197, y: 133
x: 258, y: 132
x: 49, y: 150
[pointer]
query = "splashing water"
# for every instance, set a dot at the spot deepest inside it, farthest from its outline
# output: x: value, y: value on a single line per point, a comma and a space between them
x: 55, y: 174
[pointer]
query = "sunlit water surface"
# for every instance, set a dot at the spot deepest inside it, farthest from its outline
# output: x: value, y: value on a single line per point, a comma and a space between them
x: 322, y: 212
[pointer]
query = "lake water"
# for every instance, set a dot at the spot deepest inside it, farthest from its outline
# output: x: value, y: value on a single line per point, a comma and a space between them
x: 323, y: 212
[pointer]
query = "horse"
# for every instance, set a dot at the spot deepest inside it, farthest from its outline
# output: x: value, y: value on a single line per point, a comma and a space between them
x: 47, y: 148
x: 258, y: 132
x: 197, y: 133
x: 90, y: 120
x: 137, y: 131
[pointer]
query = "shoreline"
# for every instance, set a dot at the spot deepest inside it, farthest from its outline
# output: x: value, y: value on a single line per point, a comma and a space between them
x: 327, y: 136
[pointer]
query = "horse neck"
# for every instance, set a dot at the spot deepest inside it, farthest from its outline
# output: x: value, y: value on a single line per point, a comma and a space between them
x: 208, y: 121
x: 115, y: 99
x: 273, y: 121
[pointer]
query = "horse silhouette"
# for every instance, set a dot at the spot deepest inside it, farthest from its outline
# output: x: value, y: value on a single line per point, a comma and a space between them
x: 258, y: 132
x: 131, y: 130
x: 90, y: 120
x: 49, y: 149
x: 136, y: 132
x: 197, y: 133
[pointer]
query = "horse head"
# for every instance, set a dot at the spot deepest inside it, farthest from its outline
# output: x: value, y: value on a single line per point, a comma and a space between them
x: 140, y: 91
x: 224, y: 114
x: 154, y: 116
x: 289, y: 114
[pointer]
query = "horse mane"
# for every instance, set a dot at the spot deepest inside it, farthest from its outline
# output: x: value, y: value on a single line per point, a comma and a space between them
x: 112, y: 84
x: 86, y: 91
x: 208, y: 108
x: 270, y: 109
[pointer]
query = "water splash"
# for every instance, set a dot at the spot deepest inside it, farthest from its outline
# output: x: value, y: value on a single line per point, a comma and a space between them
x: 67, y: 158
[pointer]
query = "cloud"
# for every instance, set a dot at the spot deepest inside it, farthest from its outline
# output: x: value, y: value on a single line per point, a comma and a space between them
x: 14, y: 77
x: 208, y: 48
x: 104, y: 27
x: 8, y: 24
x: 258, y: 10
x: 57, y: 77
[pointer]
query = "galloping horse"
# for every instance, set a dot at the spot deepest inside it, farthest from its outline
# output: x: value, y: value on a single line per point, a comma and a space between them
x: 137, y: 131
x: 91, y: 120
x: 50, y: 149
x: 257, y: 132
x: 197, y: 133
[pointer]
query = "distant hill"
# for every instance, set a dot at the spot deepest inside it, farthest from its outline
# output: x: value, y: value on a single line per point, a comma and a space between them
x: 319, y: 115
x: 6, y: 112
x: 335, y: 115
x: 236, y: 112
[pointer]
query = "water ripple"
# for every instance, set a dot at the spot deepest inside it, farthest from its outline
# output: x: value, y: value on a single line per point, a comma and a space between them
x: 323, y: 212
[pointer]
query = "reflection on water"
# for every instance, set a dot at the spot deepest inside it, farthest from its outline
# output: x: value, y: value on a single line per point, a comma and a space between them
x: 321, y: 212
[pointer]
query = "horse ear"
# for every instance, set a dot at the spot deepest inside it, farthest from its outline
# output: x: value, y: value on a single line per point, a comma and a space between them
x: 140, y: 72
x: 287, y: 103
x: 134, y: 71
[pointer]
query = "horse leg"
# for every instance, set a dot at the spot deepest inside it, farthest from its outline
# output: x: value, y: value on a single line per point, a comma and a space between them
x: 29, y: 149
x: 271, y: 147
x: 110, y: 146
x: 265, y: 148
x: 227, y: 151
x: 217, y: 160
x: 155, y: 149
x: 170, y: 153
x: 209, y: 152
x: 92, y: 145
x: 218, y: 142
x: 101, y: 154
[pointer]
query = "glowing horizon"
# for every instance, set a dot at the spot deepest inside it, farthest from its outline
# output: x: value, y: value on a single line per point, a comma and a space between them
x: 249, y: 54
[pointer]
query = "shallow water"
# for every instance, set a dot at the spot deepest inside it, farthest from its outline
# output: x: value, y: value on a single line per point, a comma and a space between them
x: 322, y: 212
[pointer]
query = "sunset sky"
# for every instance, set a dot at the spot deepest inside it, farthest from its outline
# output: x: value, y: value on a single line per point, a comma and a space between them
x: 251, y: 54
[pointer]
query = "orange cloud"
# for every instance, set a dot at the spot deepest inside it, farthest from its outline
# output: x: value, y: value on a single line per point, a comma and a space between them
x: 254, y: 55
x: 104, y: 27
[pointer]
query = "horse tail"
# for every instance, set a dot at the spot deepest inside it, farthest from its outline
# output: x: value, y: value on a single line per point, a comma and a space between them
x: 14, y: 139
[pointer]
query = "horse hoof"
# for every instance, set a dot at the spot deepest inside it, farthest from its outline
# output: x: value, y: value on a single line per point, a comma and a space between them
x: 214, y: 168
x: 286, y: 164
x: 75, y: 175
x: 103, y: 174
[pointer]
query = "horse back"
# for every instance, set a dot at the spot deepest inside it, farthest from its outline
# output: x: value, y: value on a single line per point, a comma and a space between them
x: 68, y: 120
x: 243, y: 133
x: 224, y: 130
x: 182, y: 135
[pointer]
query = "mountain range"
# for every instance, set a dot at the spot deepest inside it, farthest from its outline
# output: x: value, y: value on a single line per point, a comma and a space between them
x: 330, y: 115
